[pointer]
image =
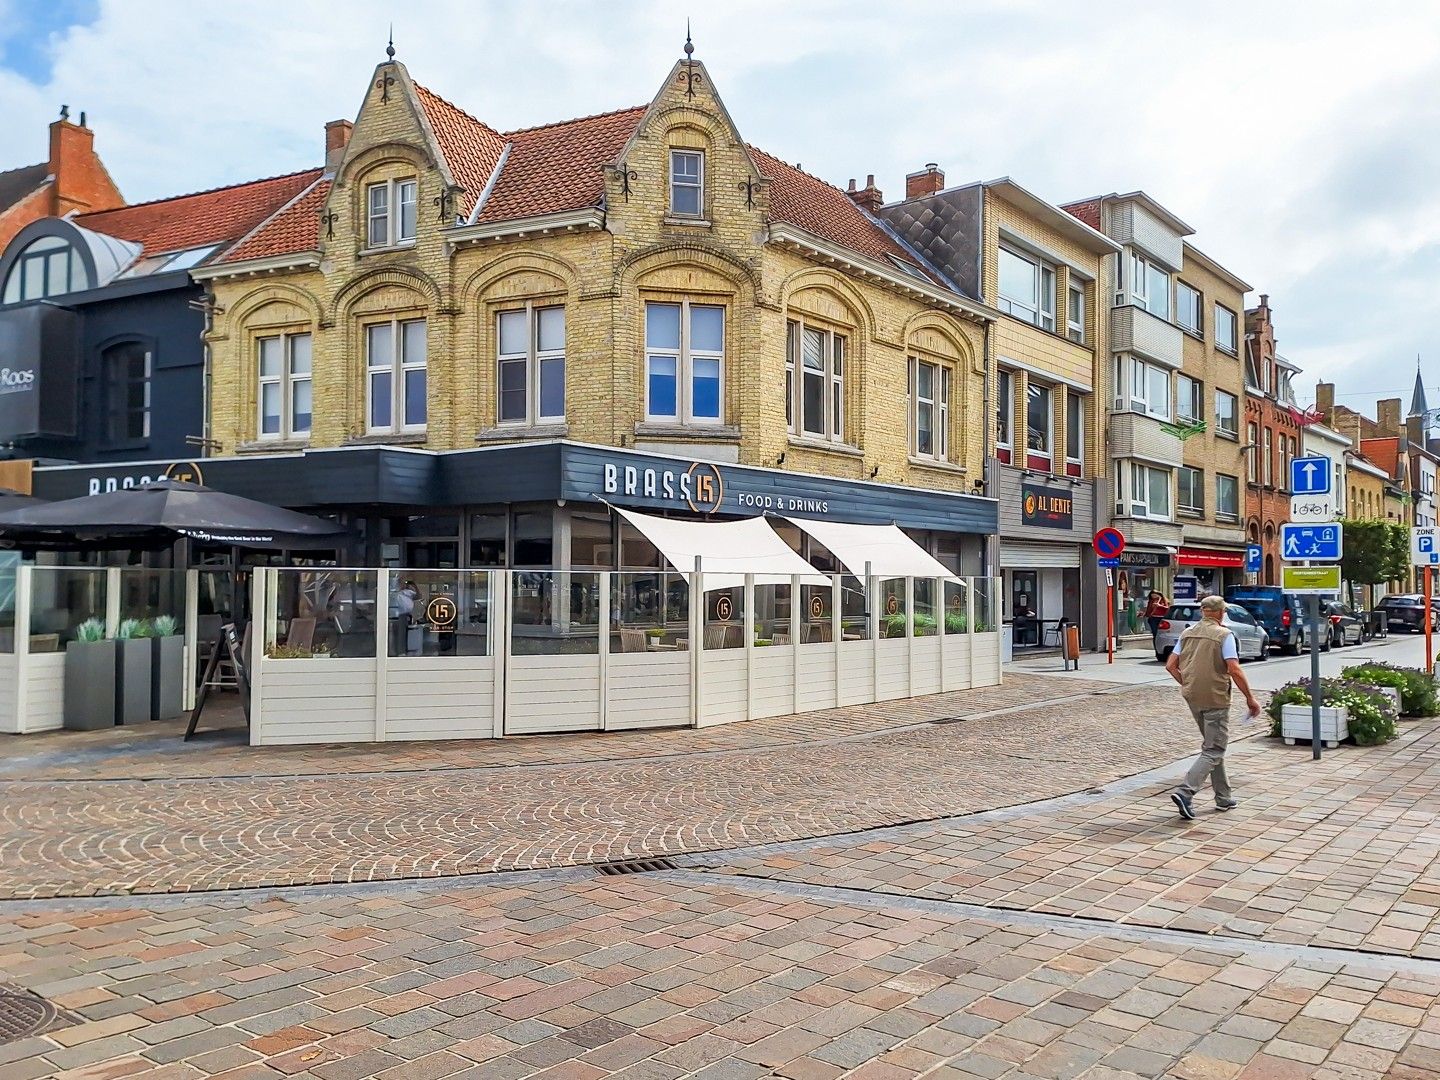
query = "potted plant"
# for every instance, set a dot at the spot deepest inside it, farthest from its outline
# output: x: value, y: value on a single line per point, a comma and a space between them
x: 167, y: 669
x: 1414, y: 691
x: 133, y: 652
x: 89, y: 679
x: 1347, y: 708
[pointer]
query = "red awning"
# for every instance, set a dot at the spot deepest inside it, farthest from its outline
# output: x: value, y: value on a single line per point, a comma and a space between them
x: 1209, y: 557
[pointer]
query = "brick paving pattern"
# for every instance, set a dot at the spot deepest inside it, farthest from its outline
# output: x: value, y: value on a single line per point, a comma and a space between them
x: 82, y: 838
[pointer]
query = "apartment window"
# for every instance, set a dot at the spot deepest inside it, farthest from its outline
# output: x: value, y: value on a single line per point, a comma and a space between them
x: 1227, y: 497
x: 1252, y: 437
x: 1187, y: 307
x: 929, y: 409
x: 46, y: 267
x: 1027, y: 289
x: 1149, y: 492
x: 1189, y: 399
x: 815, y: 381
x: 1227, y: 414
x: 395, y: 359
x: 1225, y: 329
x: 684, y: 352
x: 531, y: 371
x: 127, y: 368
x: 1150, y: 286
x: 1074, y: 434
x: 687, y: 182
x: 1283, y: 471
x: 1190, y: 491
x: 391, y: 212
x: 1075, y: 312
x: 1150, y: 389
x: 1268, y: 463
x: 1004, y: 415
x: 1039, y: 426
x: 285, y: 396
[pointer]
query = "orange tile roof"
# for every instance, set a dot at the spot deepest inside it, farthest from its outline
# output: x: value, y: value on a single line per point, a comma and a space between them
x: 295, y: 228
x: 1384, y: 453
x: 557, y: 167
x: 470, y: 148
x: 217, y: 216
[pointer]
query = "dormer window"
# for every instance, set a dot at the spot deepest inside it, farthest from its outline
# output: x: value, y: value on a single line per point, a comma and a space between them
x: 391, y: 211
x: 47, y: 267
x: 687, y: 182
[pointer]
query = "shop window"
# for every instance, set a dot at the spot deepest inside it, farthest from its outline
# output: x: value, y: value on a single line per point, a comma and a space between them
x: 684, y: 360
x: 285, y: 397
x: 395, y: 360
x: 531, y: 373
x: 636, y: 550
x: 127, y: 371
x: 687, y: 183
x: 815, y: 381
x: 1074, y: 434
x: 48, y: 266
x: 487, y: 540
x: 591, y: 543
x: 391, y: 212
x: 929, y: 409
x: 1004, y: 416
x: 1039, y: 426
x: 534, y: 538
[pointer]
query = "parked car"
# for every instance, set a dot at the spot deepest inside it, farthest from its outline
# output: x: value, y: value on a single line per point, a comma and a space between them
x: 1283, y: 615
x: 1251, y: 641
x: 1347, y: 626
x: 1406, y: 611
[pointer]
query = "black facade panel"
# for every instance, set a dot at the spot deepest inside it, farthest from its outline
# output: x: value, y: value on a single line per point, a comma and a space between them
x: 503, y: 474
x: 39, y: 372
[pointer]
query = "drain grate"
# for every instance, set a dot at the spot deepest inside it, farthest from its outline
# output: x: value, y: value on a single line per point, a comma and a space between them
x: 23, y: 1014
x: 634, y: 866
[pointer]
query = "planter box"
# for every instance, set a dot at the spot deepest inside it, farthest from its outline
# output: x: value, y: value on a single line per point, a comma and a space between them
x: 132, y: 682
x: 1296, y: 724
x: 167, y: 677
x: 1391, y: 692
x: 89, y: 685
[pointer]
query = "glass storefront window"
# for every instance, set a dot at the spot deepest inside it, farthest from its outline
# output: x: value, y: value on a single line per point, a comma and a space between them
x: 893, y: 616
x: 725, y: 618
x: 9, y: 562
x: 817, y: 605
x: 956, y: 620
x: 487, y: 539
x: 924, y: 594
x: 317, y: 613
x: 555, y: 612
x: 534, y: 538
x: 636, y: 550
x: 438, y: 613
x: 649, y: 612
x: 147, y: 593
x: 772, y: 615
x: 854, y: 624
x: 61, y: 599
x: 591, y: 545
x: 987, y: 604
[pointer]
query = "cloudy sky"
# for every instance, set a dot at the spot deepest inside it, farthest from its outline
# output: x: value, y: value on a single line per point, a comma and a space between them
x: 1301, y: 140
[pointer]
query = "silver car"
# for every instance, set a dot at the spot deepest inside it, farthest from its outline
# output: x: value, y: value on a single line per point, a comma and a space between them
x: 1251, y: 641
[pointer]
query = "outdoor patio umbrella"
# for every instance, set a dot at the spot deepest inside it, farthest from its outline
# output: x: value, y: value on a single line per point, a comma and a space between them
x: 155, y: 515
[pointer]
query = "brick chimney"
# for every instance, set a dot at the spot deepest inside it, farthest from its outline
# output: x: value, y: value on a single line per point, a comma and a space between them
x: 1325, y: 399
x: 927, y: 182
x: 1387, y: 416
x: 868, y: 197
x: 81, y: 182
x: 337, y: 137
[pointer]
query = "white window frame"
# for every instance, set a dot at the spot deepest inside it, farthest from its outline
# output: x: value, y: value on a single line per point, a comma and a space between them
x: 1075, y: 429
x: 1268, y: 465
x: 1232, y: 432
x: 286, y: 379
x: 1140, y: 268
x: 698, y: 185
x: 1005, y: 413
x: 1232, y: 346
x: 1033, y: 388
x: 392, y: 216
x: 1196, y: 397
x: 1043, y: 282
x: 397, y: 367
x: 685, y: 359
x: 1140, y: 390
x: 1182, y: 287
x: 1196, y: 508
x: 1075, y: 312
x: 1252, y: 453
x: 835, y: 358
x: 1139, y: 504
x: 532, y: 359
x: 1220, y: 511
x: 939, y: 402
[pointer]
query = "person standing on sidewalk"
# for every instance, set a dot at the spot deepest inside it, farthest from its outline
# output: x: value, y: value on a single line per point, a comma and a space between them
x: 1205, y: 662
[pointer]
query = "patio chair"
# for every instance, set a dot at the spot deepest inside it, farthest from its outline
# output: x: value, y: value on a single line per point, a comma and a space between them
x: 817, y: 632
x: 632, y: 640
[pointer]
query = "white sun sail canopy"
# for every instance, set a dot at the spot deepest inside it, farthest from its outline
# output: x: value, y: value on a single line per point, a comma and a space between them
x: 726, y: 550
x: 887, y: 551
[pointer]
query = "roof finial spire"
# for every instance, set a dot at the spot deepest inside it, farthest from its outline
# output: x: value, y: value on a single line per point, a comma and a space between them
x: 390, y: 45
x: 689, y: 45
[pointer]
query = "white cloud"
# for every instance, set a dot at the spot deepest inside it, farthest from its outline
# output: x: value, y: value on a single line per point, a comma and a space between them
x: 1299, y: 139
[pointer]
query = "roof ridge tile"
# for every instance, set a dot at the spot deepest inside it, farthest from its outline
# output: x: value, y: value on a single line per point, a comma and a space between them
x: 204, y: 191
x: 576, y: 120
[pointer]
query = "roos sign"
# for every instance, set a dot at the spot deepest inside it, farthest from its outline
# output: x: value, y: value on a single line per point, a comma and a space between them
x: 16, y: 380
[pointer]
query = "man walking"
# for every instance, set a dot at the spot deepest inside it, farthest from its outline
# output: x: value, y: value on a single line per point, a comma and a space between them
x: 1205, y: 662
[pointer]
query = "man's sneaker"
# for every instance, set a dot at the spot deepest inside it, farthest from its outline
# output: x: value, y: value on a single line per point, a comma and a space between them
x: 1226, y: 804
x: 1182, y: 803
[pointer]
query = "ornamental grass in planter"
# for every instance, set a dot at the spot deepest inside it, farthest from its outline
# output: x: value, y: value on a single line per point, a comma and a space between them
x: 167, y: 669
x: 89, y: 679
x: 133, y: 662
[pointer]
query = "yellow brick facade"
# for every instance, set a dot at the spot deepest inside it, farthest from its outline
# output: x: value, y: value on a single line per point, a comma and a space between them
x: 603, y: 276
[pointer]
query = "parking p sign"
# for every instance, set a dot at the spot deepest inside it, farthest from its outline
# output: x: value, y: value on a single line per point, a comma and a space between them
x: 1425, y: 546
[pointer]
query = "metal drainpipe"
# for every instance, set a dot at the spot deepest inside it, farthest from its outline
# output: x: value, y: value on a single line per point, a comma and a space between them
x: 208, y: 310
x: 992, y: 545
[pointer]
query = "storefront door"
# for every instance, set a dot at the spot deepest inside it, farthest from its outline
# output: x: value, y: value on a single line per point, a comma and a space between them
x: 1025, y: 606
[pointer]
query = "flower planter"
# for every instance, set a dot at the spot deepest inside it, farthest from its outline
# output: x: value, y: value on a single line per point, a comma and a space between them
x: 1296, y: 724
x: 167, y: 677
x: 89, y: 685
x: 1393, y: 693
x: 132, y: 679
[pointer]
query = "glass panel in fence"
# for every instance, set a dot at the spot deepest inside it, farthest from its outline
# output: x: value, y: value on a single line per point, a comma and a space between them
x: 987, y: 604
x: 66, y: 604
x: 892, y: 607
x: 649, y: 612
x: 319, y: 613
x: 438, y: 613
x: 956, y: 619
x: 725, y: 618
x: 554, y: 613
x: 8, y: 578
x: 817, y: 605
x: 772, y: 616
x: 924, y: 618
x: 152, y: 602
x: 854, y: 625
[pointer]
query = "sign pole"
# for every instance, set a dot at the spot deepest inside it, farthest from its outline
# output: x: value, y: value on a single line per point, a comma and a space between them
x: 1110, y: 623
x: 1429, y: 654
x: 1315, y: 676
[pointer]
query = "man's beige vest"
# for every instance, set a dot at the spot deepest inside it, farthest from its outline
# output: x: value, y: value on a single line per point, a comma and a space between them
x: 1204, y: 682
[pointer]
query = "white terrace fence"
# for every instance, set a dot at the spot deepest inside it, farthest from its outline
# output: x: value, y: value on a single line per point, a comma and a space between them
x: 376, y: 655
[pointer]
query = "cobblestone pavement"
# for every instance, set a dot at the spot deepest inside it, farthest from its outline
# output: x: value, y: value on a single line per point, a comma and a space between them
x: 156, y: 752
x: 81, y: 838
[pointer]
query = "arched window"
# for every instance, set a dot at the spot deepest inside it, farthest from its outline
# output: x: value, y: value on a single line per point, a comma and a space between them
x: 48, y: 266
x: 125, y: 368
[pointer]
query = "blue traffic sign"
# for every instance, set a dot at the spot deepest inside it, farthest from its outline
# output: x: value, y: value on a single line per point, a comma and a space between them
x: 1253, y: 554
x: 1319, y: 542
x: 1310, y: 476
x: 1108, y: 564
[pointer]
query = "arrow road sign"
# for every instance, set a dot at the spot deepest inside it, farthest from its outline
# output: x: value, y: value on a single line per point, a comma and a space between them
x: 1319, y: 542
x: 1425, y: 546
x: 1253, y: 554
x: 1310, y: 476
